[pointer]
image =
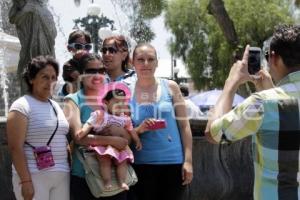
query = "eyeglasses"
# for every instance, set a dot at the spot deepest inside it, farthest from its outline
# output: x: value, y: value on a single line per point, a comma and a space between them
x: 95, y: 70
x: 267, y: 56
x: 111, y: 50
x: 79, y: 46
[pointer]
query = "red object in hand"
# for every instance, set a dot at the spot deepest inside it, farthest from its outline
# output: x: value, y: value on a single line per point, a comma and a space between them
x: 159, y: 124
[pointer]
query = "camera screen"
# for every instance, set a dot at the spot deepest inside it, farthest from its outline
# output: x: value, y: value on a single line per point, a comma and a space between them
x: 254, y: 60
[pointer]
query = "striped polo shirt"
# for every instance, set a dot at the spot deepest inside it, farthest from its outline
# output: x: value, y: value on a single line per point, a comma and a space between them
x: 41, y: 124
x: 272, y: 118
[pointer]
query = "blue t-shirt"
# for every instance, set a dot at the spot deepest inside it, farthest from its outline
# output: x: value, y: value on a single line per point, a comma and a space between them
x: 162, y: 146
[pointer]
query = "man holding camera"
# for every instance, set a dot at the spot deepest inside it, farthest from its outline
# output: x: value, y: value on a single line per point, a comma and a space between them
x: 271, y: 116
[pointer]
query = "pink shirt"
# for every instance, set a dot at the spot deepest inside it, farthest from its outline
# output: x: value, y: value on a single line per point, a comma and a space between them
x: 101, y: 119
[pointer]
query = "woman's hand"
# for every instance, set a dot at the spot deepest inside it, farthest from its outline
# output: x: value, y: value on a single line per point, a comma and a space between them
x: 187, y: 173
x: 144, y: 125
x: 118, y: 142
x: 27, y: 191
x: 79, y: 134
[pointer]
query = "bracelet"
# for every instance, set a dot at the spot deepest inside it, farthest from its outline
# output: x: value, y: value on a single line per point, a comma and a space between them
x: 26, y: 181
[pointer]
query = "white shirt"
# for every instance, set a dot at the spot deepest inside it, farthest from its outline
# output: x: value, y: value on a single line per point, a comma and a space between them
x: 41, y: 124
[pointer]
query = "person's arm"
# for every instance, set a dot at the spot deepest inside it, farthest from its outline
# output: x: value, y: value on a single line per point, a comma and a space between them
x: 238, y: 75
x: 144, y: 125
x: 185, y: 131
x: 83, y: 131
x: 136, y: 139
x: 16, y: 137
x: 264, y: 81
x: 72, y: 114
x: 132, y: 132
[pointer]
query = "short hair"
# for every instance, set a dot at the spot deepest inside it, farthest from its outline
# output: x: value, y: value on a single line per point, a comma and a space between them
x: 121, y: 44
x: 286, y: 43
x: 78, y: 34
x: 37, y: 64
x: 184, y: 90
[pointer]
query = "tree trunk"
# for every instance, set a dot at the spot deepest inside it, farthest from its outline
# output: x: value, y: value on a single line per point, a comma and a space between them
x: 217, y: 9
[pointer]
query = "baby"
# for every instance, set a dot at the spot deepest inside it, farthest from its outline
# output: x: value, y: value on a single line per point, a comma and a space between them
x: 114, y: 99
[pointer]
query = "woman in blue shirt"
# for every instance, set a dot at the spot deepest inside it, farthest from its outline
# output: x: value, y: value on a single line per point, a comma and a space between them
x: 115, y: 55
x: 164, y: 165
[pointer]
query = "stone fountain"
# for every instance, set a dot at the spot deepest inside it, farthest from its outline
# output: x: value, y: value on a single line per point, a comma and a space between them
x: 9, y: 91
x: 9, y: 48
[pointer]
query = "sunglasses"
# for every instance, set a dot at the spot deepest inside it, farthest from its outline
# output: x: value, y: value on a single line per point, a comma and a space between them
x: 267, y: 56
x: 95, y: 70
x: 79, y: 46
x: 111, y: 50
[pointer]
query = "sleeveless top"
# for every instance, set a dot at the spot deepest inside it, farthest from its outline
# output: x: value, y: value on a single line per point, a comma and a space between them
x: 85, y: 111
x: 162, y: 146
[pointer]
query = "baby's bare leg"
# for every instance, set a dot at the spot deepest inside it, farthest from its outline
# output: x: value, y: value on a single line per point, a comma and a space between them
x: 105, y: 170
x: 122, y: 173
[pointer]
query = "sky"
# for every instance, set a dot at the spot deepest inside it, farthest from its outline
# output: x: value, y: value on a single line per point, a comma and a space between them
x: 65, y: 12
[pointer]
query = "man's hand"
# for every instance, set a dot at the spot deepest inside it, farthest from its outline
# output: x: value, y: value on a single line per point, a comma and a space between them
x: 239, y: 71
x: 264, y: 81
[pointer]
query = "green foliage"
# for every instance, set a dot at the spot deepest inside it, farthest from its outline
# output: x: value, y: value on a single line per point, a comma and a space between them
x: 201, y: 43
x: 151, y: 9
x: 139, y: 13
x: 141, y: 32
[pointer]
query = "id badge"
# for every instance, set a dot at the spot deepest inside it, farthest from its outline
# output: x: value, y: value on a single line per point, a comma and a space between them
x: 43, y: 156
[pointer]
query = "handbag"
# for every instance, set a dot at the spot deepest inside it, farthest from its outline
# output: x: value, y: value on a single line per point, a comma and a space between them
x: 93, y: 177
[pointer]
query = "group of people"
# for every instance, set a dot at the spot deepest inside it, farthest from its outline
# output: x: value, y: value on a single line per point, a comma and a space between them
x: 105, y: 115
x: 109, y: 102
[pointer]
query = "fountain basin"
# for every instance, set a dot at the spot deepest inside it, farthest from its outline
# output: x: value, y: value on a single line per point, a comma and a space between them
x: 217, y: 168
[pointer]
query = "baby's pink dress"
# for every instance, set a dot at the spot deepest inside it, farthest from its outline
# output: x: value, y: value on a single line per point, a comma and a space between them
x: 107, y: 120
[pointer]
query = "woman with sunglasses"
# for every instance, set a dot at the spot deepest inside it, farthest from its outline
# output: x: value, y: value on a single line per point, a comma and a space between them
x: 79, y: 44
x: 115, y: 56
x: 78, y: 107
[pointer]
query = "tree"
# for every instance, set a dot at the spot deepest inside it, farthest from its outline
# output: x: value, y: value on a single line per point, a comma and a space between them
x: 203, y: 40
x: 140, y: 29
